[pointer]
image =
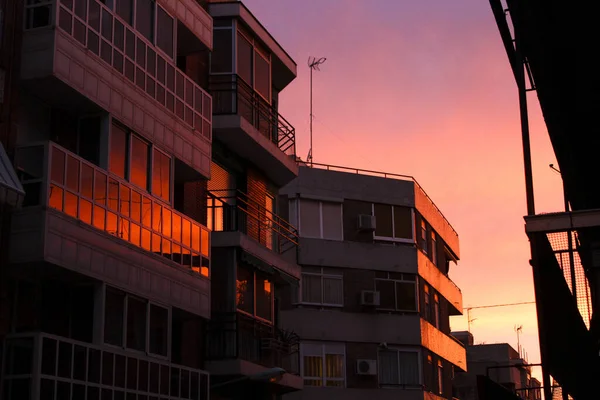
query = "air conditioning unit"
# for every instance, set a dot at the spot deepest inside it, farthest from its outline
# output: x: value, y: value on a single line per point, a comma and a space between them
x: 369, y: 298
x: 366, y: 367
x: 366, y: 222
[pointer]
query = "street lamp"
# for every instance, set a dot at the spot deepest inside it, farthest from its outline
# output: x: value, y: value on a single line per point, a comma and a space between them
x: 270, y: 375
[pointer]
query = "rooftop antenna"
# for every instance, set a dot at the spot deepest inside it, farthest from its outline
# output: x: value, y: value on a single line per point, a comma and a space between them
x: 553, y: 168
x: 519, y: 329
x: 313, y: 64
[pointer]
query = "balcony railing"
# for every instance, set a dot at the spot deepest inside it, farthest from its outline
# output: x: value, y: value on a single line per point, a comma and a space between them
x: 231, y: 95
x: 89, y: 194
x: 236, y: 336
x: 96, y: 28
x: 43, y: 366
x: 236, y: 211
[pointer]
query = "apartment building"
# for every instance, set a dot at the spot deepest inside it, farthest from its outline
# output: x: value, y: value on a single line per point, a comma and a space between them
x: 107, y: 272
x: 253, y: 247
x: 501, y: 363
x: 372, y: 311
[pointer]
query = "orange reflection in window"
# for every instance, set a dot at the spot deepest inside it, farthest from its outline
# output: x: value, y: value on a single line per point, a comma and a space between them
x: 205, y: 242
x: 136, y: 206
x: 166, y: 248
x: 186, y: 232
x: 72, y: 174
x: 267, y: 286
x: 146, y: 238
x: 111, y: 223
x: 176, y: 230
x: 87, y: 180
x: 156, y: 217
x: 100, y: 188
x: 196, y: 237
x: 57, y: 170
x: 56, y: 197
x: 204, y: 271
x: 99, y: 216
x: 134, y: 234
x: 176, y: 253
x: 113, y: 194
x: 70, y: 204
x: 146, y: 212
x: 186, y: 257
x: 85, y: 211
x: 166, y: 222
x: 125, y: 200
x: 156, y: 241
x: 123, y: 229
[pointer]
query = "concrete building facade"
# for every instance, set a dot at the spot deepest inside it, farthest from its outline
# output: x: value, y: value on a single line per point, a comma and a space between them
x: 373, y: 308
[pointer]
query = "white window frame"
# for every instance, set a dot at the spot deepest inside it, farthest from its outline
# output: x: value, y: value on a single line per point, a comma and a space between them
x: 395, y: 294
x: 298, y: 202
x: 398, y: 350
x: 322, y: 275
x: 393, y: 238
x: 324, y: 352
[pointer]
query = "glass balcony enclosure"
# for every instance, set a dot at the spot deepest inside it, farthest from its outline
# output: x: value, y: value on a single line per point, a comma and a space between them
x: 82, y: 190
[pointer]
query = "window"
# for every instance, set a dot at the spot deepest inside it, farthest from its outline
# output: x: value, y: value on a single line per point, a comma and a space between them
x: 133, y: 323
x: 436, y: 310
x: 434, y: 248
x: 124, y: 10
x: 399, y: 367
x: 393, y: 223
x: 138, y: 174
x: 161, y: 175
x: 37, y: 14
x: 244, y: 57
x: 424, y: 236
x: 398, y: 292
x: 254, y: 294
x: 427, y: 311
x: 262, y: 75
x: 322, y: 287
x: 320, y: 219
x: 254, y: 65
x: 164, y: 31
x: 144, y: 18
x: 119, y: 140
x: 322, y: 364
x: 440, y: 377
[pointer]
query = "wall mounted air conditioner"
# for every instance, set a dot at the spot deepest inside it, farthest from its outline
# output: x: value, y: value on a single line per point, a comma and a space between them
x: 366, y: 367
x: 369, y: 298
x: 366, y: 222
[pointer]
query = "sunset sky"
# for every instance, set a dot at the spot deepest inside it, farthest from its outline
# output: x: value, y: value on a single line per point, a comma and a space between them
x: 424, y: 88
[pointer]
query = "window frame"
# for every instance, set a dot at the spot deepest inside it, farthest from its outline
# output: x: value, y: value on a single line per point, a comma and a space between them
x: 322, y: 275
x: 414, y: 282
x: 427, y: 299
x: 393, y: 238
x: 437, y: 318
x: 324, y: 353
x: 440, y: 377
x: 253, y: 314
x: 153, y: 148
x: 298, y: 215
x: 263, y: 52
x: 398, y: 350
x: 52, y: 20
x: 434, y: 253
x: 424, y: 237
x: 147, y: 303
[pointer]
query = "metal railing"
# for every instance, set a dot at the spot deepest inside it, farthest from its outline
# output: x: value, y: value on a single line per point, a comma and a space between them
x: 235, y: 335
x: 231, y: 95
x: 236, y: 211
x: 39, y: 365
x: 379, y: 174
x: 56, y: 178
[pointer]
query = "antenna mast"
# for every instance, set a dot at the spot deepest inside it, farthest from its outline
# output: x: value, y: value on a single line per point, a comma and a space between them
x: 313, y: 64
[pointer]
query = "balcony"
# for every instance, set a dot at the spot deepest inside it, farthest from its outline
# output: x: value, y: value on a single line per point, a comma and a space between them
x: 236, y: 342
x: 77, y: 52
x: 239, y: 221
x: 43, y: 366
x: 252, y: 128
x: 79, y: 217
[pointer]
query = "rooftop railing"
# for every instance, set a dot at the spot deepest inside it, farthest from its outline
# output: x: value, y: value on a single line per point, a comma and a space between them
x: 42, y: 366
x: 231, y: 95
x: 86, y: 192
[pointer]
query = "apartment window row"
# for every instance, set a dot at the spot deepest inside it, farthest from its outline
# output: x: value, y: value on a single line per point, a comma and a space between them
x: 322, y: 286
x: 135, y: 57
x: 397, y: 292
x: 432, y: 311
x: 324, y: 365
x: 254, y: 294
x: 317, y: 219
x: 134, y: 323
x: 139, y: 162
x: 86, y: 192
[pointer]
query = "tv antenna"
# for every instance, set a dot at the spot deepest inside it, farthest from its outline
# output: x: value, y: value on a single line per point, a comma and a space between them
x: 519, y: 330
x: 553, y: 168
x: 314, y: 64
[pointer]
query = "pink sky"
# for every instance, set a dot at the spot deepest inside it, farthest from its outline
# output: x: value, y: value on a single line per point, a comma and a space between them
x: 424, y: 88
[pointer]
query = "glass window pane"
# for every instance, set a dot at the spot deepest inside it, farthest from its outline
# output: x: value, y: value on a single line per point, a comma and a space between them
x: 136, y: 206
x: 124, y: 201
x: 135, y: 234
x: 159, y: 324
x: 164, y: 34
x: 72, y: 174
x: 244, y: 59
x: 136, y: 324
x: 403, y: 227
x: 55, y: 198
x: 111, y: 223
x: 311, y: 288
x: 71, y: 202
x: 333, y: 291
x: 161, y: 175
x: 85, y: 211
x: 264, y: 298
x: 144, y: 18
x: 409, y: 367
x: 100, y: 188
x: 118, y: 151
x: 99, y: 217
x: 124, y: 10
x: 57, y: 173
x: 94, y: 16
x: 332, y: 221
x: 113, y: 194
x: 245, y: 290
x: 334, y: 366
x: 87, y: 180
x: 222, y: 54
x: 262, y: 76
x: 107, y: 25
x: 313, y: 367
x: 388, y: 367
x: 113, y: 317
x: 139, y: 162
x: 310, y: 220
x: 387, y: 295
x: 383, y: 219
x: 406, y: 298
x: 146, y: 212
